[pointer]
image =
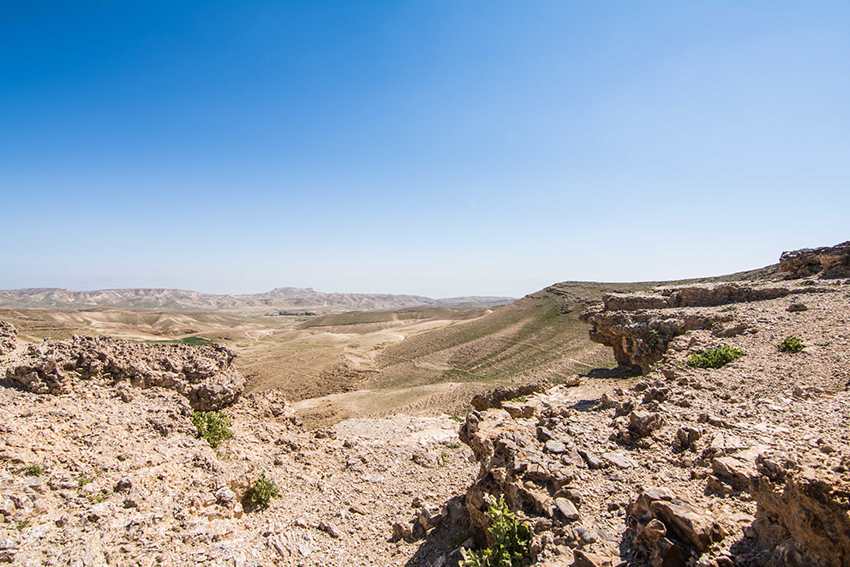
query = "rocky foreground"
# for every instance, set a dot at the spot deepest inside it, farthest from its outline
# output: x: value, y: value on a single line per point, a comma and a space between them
x: 745, y: 464
x: 100, y: 464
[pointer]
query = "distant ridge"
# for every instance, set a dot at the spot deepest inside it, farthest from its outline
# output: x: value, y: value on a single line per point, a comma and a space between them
x: 181, y: 299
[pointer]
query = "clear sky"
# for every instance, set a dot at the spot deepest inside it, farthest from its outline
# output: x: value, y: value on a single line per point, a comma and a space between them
x: 436, y: 147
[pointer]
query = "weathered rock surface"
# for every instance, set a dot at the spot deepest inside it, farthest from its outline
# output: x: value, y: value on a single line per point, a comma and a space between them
x: 640, y: 326
x: 109, y: 475
x: 803, y: 514
x: 8, y: 334
x: 666, y: 530
x: 752, y: 457
x: 205, y: 375
x: 827, y: 261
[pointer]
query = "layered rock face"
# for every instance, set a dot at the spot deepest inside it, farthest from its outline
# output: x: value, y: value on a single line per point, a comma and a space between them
x: 827, y: 261
x: 205, y: 375
x: 746, y: 464
x: 640, y: 326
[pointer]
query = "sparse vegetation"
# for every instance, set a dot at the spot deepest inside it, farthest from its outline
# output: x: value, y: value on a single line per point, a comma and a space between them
x: 511, y: 540
x: 33, y: 470
x: 791, y: 344
x: 654, y: 338
x: 213, y: 426
x: 260, y: 494
x: 715, y: 357
x: 98, y: 497
x: 83, y: 480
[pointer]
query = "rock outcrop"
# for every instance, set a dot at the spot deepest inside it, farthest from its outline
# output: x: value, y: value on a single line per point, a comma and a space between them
x: 8, y: 334
x: 752, y: 457
x: 827, y: 262
x: 205, y: 375
x: 803, y: 514
x: 639, y: 326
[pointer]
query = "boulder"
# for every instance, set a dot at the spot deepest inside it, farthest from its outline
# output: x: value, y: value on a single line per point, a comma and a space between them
x: 668, y: 530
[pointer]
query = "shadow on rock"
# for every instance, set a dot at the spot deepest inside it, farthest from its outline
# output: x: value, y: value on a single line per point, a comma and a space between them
x: 442, y: 533
x: 617, y: 372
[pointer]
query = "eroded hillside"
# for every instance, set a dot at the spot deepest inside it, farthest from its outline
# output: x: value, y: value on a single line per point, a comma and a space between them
x: 730, y: 450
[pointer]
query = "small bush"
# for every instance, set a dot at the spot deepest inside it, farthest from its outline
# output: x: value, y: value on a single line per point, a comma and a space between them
x: 98, y: 497
x: 260, y: 494
x: 33, y: 470
x: 511, y: 540
x: 213, y: 426
x: 715, y: 357
x: 791, y: 344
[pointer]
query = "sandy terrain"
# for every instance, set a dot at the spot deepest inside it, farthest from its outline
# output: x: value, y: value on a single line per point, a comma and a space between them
x: 374, y: 363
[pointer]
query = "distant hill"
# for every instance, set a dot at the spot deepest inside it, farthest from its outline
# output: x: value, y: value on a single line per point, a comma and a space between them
x: 180, y: 299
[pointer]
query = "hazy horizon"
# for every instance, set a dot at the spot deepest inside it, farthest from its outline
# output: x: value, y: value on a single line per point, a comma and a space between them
x: 475, y: 148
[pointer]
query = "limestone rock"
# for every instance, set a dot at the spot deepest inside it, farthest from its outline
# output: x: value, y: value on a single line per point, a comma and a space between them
x: 8, y: 334
x: 827, y: 261
x: 205, y: 375
x: 667, y: 530
x: 803, y: 514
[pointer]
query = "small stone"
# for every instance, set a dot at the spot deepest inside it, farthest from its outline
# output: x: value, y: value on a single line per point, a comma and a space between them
x: 555, y: 446
x: 305, y: 549
x: 329, y: 529
x: 224, y: 496
x: 618, y: 459
x: 592, y: 460
x: 587, y: 536
x: 401, y: 532
x: 124, y: 485
x: 567, y: 509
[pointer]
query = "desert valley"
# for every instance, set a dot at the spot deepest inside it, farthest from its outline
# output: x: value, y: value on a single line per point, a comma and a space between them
x: 698, y: 422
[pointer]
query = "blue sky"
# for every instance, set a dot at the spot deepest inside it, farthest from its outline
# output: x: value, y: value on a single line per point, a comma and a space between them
x: 438, y: 147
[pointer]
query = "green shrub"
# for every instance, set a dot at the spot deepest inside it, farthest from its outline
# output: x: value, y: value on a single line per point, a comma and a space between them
x: 260, y: 494
x: 511, y: 540
x: 715, y: 357
x: 33, y: 470
x: 791, y: 344
x: 213, y: 426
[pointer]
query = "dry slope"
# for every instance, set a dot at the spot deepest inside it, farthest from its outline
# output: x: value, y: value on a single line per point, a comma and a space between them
x: 743, y: 464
